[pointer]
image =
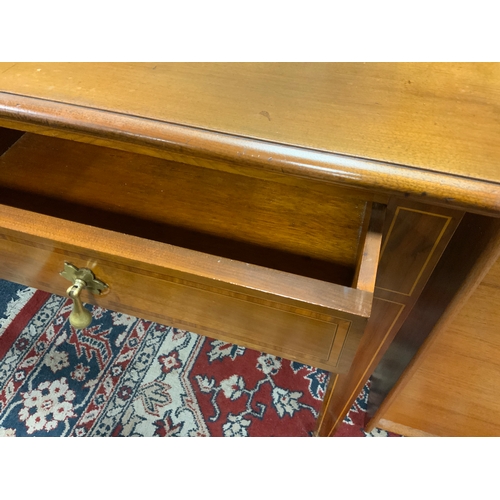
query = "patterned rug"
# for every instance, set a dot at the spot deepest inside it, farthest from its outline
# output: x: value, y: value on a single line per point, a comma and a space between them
x: 124, y: 376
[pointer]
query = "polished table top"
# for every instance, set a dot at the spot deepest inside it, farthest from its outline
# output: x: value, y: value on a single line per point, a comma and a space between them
x: 403, y: 127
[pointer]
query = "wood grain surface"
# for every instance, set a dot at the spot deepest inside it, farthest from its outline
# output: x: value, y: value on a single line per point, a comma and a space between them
x: 416, y: 114
x: 390, y: 307
x: 291, y: 316
x: 251, y: 220
x: 392, y: 128
x: 448, y: 387
x: 453, y: 392
x: 455, y: 274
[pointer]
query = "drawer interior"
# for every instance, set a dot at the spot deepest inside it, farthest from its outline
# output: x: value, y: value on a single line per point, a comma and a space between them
x: 303, y: 231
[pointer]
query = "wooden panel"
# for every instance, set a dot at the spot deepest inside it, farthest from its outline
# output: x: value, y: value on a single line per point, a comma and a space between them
x: 275, y: 156
x: 460, y: 269
x: 178, y: 303
x: 343, y: 390
x: 453, y: 390
x: 298, y: 318
x: 416, y: 114
x: 369, y: 252
x: 390, y: 308
x: 245, y: 165
x: 251, y: 220
x: 402, y: 430
x: 402, y: 274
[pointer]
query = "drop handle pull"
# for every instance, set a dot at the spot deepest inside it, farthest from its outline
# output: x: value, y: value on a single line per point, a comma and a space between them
x: 81, y: 279
x: 79, y: 317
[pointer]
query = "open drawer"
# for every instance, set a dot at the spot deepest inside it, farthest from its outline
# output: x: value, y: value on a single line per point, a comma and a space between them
x: 265, y: 265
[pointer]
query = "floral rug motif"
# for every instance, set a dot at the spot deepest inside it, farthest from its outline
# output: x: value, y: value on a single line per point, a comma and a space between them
x: 124, y: 376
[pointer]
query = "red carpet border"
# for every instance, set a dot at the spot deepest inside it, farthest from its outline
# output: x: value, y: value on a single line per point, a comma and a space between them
x: 124, y: 376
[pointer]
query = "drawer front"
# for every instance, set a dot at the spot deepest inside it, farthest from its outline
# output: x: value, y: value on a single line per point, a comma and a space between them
x: 298, y: 318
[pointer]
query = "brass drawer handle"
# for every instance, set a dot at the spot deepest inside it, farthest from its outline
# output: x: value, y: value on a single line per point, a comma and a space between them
x: 81, y: 278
